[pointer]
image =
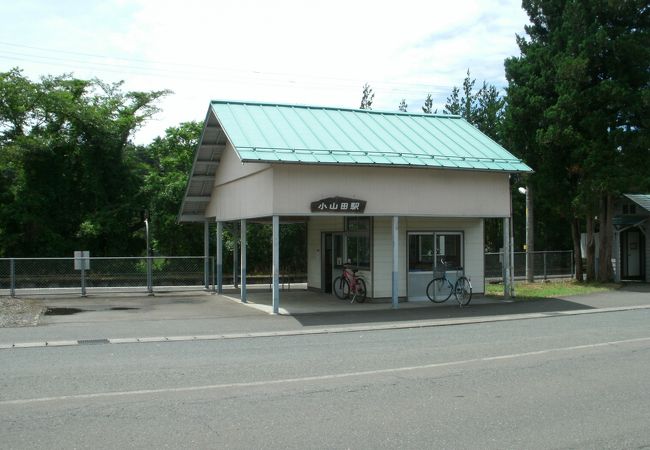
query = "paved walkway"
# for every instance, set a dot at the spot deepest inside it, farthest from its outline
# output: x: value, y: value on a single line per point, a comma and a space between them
x: 200, y: 314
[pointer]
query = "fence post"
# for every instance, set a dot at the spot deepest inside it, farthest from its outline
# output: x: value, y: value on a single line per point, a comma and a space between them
x: 545, y: 266
x: 573, y: 267
x: 214, y: 272
x: 12, y: 277
x: 83, y: 277
x: 149, y: 275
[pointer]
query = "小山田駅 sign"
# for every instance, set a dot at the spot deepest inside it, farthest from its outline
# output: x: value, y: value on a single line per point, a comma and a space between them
x: 339, y: 205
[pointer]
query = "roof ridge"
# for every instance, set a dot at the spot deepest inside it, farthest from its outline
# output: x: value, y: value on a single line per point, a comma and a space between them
x: 336, y: 108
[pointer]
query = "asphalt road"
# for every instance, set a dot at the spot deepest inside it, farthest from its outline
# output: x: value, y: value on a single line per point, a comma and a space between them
x: 559, y: 382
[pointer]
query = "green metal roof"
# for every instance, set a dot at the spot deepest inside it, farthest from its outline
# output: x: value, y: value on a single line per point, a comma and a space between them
x: 275, y: 133
x: 643, y: 200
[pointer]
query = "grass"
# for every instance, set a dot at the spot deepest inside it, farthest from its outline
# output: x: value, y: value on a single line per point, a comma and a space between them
x: 550, y: 289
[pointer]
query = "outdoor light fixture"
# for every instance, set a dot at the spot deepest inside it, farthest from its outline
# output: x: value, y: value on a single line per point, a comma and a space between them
x: 530, y: 274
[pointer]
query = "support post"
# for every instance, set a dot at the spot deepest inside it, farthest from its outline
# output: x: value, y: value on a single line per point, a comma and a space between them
x: 12, y: 277
x: 395, y: 277
x: 276, y: 264
x: 148, y: 260
x: 219, y: 257
x: 545, y: 273
x: 505, y: 258
x: 242, y: 258
x: 235, y: 254
x: 206, y: 254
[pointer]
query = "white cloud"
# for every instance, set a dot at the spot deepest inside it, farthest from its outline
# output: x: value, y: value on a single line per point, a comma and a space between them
x: 284, y: 51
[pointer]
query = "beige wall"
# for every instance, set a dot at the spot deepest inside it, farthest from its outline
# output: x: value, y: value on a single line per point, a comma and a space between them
x: 241, y: 191
x: 390, y: 191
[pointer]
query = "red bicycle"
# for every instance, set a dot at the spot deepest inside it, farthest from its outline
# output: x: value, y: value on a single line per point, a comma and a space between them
x: 349, y: 285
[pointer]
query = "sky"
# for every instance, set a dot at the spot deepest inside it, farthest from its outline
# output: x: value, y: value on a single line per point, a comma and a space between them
x: 305, y: 52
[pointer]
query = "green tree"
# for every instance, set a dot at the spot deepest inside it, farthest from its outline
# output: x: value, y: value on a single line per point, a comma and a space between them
x: 576, y: 99
x: 428, y: 105
x: 403, y: 106
x: 367, y: 97
x: 68, y: 162
x: 166, y: 163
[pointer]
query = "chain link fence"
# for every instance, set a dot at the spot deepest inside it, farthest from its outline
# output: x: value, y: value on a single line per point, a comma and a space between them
x: 546, y: 264
x: 65, y: 275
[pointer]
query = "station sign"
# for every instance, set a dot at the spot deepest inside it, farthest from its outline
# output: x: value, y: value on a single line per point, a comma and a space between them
x: 339, y: 205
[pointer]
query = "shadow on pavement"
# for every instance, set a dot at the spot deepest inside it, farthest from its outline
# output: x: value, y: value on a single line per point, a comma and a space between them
x: 433, y: 312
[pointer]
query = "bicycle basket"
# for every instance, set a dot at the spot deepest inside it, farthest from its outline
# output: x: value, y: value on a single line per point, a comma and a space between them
x: 439, y: 271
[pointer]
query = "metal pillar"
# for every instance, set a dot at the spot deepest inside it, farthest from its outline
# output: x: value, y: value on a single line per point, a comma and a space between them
x: 276, y: 264
x: 530, y: 237
x: 235, y: 254
x: 395, y: 298
x: 505, y: 258
x: 12, y: 277
x: 219, y: 257
x: 242, y: 258
x: 148, y: 261
x: 206, y: 254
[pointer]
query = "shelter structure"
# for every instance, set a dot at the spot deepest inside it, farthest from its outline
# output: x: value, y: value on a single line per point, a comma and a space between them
x: 630, y: 251
x: 392, y: 193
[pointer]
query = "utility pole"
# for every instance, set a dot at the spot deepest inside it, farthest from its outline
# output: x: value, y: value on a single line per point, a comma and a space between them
x: 530, y: 234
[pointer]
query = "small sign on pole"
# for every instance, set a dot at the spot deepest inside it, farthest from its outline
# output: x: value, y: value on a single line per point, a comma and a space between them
x: 82, y: 260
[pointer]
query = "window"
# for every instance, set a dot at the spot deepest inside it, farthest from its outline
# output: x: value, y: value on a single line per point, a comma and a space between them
x: 446, y: 246
x: 358, y: 241
x: 421, y: 252
x: 449, y: 249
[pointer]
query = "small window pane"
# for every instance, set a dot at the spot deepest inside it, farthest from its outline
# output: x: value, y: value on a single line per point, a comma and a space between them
x: 448, y: 248
x: 358, y: 224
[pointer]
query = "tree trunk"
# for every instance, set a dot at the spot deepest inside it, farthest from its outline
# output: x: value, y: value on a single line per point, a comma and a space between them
x: 605, y: 272
x: 590, y: 248
x: 577, y: 253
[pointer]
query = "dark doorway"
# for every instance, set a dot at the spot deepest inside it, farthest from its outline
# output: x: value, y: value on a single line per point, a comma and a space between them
x: 632, y: 254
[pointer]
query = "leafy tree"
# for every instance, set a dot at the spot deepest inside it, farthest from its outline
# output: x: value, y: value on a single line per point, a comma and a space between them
x: 367, y: 97
x: 68, y: 164
x: 576, y: 95
x: 402, y: 105
x: 165, y: 165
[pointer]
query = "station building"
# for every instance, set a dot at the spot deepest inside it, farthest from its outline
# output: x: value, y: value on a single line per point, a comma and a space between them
x: 391, y: 193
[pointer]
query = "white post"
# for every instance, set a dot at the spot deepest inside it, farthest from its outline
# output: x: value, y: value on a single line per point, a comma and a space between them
x: 505, y: 257
x: 242, y: 259
x: 276, y: 264
x: 395, y: 292
x: 206, y: 254
x: 219, y: 257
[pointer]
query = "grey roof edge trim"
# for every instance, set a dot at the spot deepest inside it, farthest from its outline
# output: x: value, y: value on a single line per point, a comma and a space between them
x: 384, y: 154
x: 403, y: 166
x: 334, y: 108
x: 643, y: 200
x: 196, y: 156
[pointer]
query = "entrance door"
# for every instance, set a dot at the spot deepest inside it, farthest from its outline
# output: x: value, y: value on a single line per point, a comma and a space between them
x: 332, y: 262
x: 633, y: 254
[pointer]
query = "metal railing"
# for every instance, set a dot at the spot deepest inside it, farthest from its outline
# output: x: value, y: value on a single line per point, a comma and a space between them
x: 546, y: 264
x: 59, y: 275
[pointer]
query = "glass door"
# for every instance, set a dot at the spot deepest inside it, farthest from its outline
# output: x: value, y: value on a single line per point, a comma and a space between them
x: 427, y: 250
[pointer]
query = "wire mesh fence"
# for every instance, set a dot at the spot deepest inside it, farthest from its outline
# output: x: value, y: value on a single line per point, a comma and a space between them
x: 103, y: 273
x: 546, y: 264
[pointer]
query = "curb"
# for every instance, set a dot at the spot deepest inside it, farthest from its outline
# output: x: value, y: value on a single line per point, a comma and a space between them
x: 316, y: 331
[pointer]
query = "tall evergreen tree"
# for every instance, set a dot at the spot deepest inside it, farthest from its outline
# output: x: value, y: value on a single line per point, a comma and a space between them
x: 428, y: 105
x: 402, y: 105
x: 367, y: 97
x: 576, y: 99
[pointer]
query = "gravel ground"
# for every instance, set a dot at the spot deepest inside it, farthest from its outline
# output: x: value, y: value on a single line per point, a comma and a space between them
x: 15, y: 312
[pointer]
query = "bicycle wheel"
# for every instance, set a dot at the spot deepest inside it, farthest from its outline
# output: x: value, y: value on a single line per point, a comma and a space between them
x: 360, y: 294
x: 463, y: 291
x: 439, y: 290
x: 341, y: 288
